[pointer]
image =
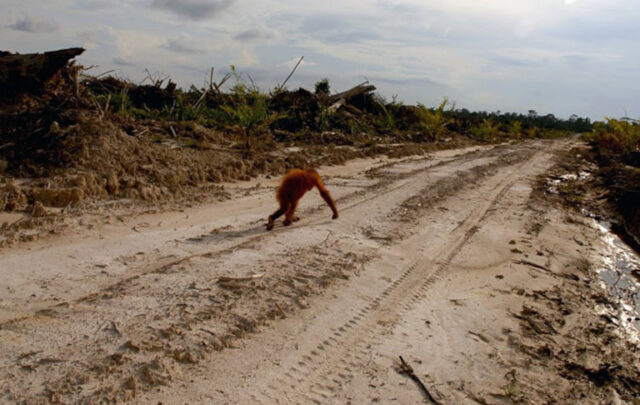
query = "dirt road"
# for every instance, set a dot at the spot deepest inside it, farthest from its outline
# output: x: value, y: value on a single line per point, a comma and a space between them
x: 448, y: 260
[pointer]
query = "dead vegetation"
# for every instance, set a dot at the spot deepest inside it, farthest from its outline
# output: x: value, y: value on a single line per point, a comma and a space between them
x: 70, y: 140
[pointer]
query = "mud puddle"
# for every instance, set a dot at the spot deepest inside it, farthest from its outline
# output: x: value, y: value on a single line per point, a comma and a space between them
x: 620, y: 273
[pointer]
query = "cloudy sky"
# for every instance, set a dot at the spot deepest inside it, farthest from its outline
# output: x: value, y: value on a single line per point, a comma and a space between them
x: 552, y: 56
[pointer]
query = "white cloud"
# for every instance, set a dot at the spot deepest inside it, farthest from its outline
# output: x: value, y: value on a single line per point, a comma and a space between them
x: 120, y: 61
x: 193, y: 9
x: 97, y: 4
x: 248, y: 58
x: 256, y: 34
x: 136, y: 44
x: 183, y: 43
x: 88, y: 40
x: 35, y: 24
x: 502, y: 54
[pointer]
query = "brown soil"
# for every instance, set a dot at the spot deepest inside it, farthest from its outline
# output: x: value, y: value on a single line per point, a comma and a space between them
x: 140, y: 270
x: 486, y: 289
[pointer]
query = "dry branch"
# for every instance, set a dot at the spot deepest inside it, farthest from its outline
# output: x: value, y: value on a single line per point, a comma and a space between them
x: 532, y: 264
x: 201, y: 99
x: 103, y: 73
x: 405, y: 368
x: 219, y: 84
x: 290, y: 74
x: 238, y: 279
x: 253, y: 84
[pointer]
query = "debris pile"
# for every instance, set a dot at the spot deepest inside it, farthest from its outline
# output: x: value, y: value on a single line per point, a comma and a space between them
x: 68, y: 139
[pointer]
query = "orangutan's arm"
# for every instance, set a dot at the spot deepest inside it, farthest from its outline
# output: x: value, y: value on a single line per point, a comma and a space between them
x: 324, y: 193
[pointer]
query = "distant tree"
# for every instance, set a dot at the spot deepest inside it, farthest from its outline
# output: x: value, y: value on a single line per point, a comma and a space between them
x: 322, y: 86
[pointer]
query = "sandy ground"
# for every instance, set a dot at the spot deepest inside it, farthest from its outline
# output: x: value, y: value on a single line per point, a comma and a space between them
x: 487, y: 290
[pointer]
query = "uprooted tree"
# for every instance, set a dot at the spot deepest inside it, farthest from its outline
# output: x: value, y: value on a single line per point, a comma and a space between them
x: 28, y: 73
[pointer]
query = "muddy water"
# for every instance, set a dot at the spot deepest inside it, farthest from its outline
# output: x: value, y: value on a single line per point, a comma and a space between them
x: 619, y: 261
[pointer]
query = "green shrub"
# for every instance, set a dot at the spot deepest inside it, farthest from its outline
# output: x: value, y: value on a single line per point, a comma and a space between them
x: 487, y: 131
x: 324, y: 118
x: 432, y: 121
x: 251, y: 114
x: 386, y: 121
x: 615, y: 137
x: 117, y: 103
x: 250, y: 108
x: 515, y: 129
x: 532, y: 132
x: 181, y: 110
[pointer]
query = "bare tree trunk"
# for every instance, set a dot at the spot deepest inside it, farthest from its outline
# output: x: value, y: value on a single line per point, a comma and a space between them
x: 25, y: 73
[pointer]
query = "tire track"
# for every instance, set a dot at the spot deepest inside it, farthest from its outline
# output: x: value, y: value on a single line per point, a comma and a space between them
x: 369, y: 315
x: 317, y: 375
x: 389, y: 185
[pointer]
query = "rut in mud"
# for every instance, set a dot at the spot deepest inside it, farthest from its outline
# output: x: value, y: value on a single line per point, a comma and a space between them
x: 224, y: 312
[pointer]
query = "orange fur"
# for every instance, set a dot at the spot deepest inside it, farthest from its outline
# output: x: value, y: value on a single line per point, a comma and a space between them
x: 294, y: 184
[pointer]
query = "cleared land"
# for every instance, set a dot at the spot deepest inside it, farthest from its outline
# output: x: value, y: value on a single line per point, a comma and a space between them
x: 452, y: 260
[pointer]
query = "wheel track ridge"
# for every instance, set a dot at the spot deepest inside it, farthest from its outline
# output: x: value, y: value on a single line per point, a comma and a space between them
x: 405, y: 299
x: 162, y: 268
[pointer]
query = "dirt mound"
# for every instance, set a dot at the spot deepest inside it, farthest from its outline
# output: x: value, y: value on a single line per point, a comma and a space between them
x: 73, y: 140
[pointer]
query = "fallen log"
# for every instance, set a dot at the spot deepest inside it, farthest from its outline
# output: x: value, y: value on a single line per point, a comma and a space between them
x: 337, y: 105
x: 336, y: 101
x: 364, y: 87
x: 28, y: 73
